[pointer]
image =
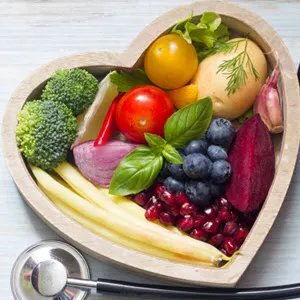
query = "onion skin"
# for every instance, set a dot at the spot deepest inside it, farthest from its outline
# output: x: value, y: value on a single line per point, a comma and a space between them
x: 98, y: 164
x: 267, y: 104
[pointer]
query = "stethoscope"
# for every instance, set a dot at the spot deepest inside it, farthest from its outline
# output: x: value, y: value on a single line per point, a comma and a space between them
x: 56, y: 270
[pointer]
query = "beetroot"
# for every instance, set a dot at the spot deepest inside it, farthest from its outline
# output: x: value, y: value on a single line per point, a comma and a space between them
x: 252, y: 160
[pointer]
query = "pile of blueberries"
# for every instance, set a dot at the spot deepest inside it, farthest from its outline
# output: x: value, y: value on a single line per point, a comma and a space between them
x: 205, y: 168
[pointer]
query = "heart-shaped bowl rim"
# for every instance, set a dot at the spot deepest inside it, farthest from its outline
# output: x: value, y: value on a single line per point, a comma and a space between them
x: 235, y: 17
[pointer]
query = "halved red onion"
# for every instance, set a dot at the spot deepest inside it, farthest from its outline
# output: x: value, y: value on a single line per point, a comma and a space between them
x: 98, y: 164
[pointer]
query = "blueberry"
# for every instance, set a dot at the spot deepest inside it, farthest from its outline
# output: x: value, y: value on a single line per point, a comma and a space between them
x: 176, y: 170
x: 196, y: 166
x: 220, y: 172
x: 181, y: 152
x: 220, y: 132
x: 216, y: 153
x: 196, y: 146
x: 164, y: 173
x: 174, y: 185
x: 216, y: 190
x: 198, y: 193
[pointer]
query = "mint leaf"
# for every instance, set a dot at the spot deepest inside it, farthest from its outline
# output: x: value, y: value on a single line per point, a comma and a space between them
x: 126, y: 81
x: 211, y: 20
x: 155, y: 142
x: 136, y: 172
x: 172, y: 155
x: 188, y: 123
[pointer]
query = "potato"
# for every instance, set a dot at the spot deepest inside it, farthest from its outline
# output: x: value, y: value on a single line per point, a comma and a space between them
x: 213, y: 84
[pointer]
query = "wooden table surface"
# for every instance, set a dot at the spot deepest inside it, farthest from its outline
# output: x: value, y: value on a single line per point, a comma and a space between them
x: 33, y: 32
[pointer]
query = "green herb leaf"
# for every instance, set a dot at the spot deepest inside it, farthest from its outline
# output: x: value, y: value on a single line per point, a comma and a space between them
x: 126, y: 81
x: 136, y: 172
x: 156, y: 142
x: 172, y: 155
x: 188, y: 123
x: 203, y: 35
x: 211, y: 20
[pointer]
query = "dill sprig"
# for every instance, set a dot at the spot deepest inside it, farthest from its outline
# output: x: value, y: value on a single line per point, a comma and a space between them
x: 236, y: 67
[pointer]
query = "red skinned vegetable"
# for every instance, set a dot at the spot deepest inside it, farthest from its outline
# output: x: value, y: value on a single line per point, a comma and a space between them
x: 109, y: 125
x: 143, y: 109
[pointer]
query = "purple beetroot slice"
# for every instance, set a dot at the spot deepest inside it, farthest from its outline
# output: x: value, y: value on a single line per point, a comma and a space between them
x: 252, y: 161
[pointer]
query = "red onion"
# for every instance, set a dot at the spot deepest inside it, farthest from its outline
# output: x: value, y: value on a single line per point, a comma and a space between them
x: 268, y: 104
x: 98, y: 164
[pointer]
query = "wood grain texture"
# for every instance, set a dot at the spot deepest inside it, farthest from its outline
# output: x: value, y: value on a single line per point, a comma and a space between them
x: 53, y: 16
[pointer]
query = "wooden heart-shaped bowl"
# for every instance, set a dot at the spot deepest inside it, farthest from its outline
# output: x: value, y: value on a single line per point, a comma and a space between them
x: 286, y: 145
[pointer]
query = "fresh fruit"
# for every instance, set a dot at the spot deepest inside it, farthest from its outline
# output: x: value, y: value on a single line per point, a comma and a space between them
x: 170, y: 62
x: 220, y: 171
x: 166, y: 218
x: 177, y: 171
x: 143, y: 109
x: 220, y: 132
x: 185, y: 223
x: 200, y: 219
x: 230, y: 228
x: 252, y: 161
x: 196, y: 146
x: 199, y: 234
x: 241, y: 235
x: 196, y: 166
x: 173, y: 184
x: 230, y: 246
x: 141, y: 198
x: 188, y: 209
x: 168, y: 197
x: 181, y: 198
x: 216, y: 153
x: 211, y: 226
x: 183, y: 96
x: 216, y: 240
x: 198, y: 193
x: 210, y: 213
x: 212, y: 82
x: 164, y: 172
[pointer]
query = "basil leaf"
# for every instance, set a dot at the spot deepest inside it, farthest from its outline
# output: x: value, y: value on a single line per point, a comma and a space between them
x: 188, y: 123
x: 155, y: 142
x: 136, y: 172
x: 172, y: 155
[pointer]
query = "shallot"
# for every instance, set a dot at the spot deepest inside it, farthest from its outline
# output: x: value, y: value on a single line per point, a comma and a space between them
x: 98, y: 164
x: 267, y: 103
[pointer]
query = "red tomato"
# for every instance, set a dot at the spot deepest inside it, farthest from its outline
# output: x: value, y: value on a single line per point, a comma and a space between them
x: 143, y: 109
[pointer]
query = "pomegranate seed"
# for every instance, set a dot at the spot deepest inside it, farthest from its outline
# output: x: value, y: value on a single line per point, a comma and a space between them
x: 230, y: 246
x: 241, y: 235
x: 200, y: 220
x: 159, y: 206
x: 188, y: 209
x: 209, y: 211
x: 234, y: 216
x: 225, y: 252
x: 159, y: 190
x: 141, y: 198
x: 185, y: 223
x: 151, y: 202
x: 168, y: 197
x: 174, y: 210
x: 181, y: 198
x: 211, y: 226
x: 152, y: 213
x: 199, y: 234
x: 224, y: 214
x: 222, y: 202
x: 166, y: 218
x: 216, y: 240
x: 230, y: 228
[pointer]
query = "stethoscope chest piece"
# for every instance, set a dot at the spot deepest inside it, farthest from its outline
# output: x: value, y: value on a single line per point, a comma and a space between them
x: 62, y: 259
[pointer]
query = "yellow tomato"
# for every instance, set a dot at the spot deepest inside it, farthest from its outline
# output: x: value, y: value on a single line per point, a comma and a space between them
x: 170, y: 62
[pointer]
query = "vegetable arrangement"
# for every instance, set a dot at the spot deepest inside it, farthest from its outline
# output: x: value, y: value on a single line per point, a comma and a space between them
x: 159, y: 165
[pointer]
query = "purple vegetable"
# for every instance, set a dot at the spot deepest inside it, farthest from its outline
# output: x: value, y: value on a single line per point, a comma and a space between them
x: 98, y: 164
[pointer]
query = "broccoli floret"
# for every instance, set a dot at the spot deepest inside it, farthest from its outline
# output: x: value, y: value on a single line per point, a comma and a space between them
x: 45, y: 132
x: 75, y: 88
